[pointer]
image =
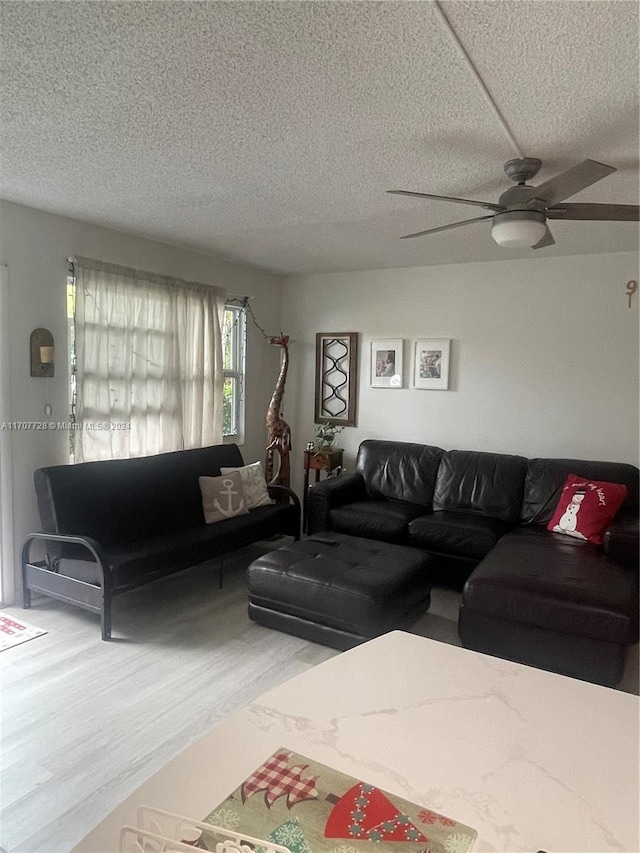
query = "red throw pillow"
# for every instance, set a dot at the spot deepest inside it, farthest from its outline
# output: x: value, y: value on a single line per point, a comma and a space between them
x: 586, y: 508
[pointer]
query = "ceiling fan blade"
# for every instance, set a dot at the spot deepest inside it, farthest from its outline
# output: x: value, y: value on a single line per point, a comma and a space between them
x: 616, y: 212
x: 572, y: 181
x: 446, y: 227
x: 547, y: 240
x: 486, y: 204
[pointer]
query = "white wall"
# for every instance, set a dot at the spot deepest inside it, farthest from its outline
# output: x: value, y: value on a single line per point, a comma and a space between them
x: 34, y: 245
x: 544, y: 354
x: 544, y: 351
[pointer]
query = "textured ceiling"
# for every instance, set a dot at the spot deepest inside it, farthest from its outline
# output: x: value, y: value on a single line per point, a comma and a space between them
x: 269, y: 132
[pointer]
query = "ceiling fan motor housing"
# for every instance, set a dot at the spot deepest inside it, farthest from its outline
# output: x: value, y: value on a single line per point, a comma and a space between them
x: 522, y: 170
x: 520, y: 198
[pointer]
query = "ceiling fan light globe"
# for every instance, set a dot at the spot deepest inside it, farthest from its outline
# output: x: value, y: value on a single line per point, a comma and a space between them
x: 517, y: 229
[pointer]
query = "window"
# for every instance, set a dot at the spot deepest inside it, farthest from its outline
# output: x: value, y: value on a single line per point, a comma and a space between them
x: 233, y: 357
x: 148, y: 357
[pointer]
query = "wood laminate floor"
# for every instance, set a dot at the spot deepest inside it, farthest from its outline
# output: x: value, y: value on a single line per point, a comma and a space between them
x: 84, y: 722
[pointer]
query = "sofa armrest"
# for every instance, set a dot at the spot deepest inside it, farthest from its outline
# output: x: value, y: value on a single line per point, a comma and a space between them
x: 284, y: 495
x: 94, y: 548
x: 622, y: 539
x: 43, y: 576
x: 330, y: 493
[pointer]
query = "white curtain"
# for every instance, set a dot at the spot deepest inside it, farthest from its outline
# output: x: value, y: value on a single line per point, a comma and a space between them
x: 148, y: 362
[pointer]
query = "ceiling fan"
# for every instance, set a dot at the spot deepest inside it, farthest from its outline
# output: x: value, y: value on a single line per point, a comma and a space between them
x: 520, y: 216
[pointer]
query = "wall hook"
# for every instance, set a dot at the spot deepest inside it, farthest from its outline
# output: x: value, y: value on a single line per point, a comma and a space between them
x: 632, y: 286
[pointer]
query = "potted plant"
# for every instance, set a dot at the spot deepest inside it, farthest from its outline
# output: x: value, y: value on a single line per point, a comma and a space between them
x: 325, y: 436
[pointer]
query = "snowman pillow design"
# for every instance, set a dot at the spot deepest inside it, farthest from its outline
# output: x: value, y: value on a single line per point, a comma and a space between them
x: 586, y: 508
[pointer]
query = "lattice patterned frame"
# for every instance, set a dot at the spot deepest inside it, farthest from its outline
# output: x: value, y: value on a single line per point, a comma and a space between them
x: 336, y: 378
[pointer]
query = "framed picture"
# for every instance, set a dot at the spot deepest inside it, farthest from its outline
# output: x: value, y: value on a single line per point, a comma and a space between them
x: 431, y: 364
x: 386, y: 364
x: 336, y: 378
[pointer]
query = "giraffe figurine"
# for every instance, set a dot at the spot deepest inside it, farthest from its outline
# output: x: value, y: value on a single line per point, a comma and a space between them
x: 279, y: 431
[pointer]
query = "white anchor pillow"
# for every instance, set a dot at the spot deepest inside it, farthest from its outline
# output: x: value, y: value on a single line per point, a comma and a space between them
x: 253, y: 484
x: 222, y: 497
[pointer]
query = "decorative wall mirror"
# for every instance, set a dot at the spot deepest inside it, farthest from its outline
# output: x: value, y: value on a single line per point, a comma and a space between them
x: 336, y: 378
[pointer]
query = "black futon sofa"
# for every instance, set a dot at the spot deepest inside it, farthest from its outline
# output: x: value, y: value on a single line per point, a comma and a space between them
x: 529, y: 594
x: 115, y: 525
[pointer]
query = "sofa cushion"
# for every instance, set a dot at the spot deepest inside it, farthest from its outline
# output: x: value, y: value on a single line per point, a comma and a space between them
x: 254, y: 484
x: 545, y: 479
x: 383, y: 520
x: 487, y: 483
x: 621, y: 538
x: 222, y: 497
x: 399, y: 470
x: 462, y: 534
x: 160, y: 555
x: 146, y: 497
x: 194, y: 546
x: 586, y: 508
x: 557, y: 583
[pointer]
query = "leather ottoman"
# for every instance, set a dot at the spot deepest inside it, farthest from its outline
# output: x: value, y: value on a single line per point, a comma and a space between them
x: 339, y: 590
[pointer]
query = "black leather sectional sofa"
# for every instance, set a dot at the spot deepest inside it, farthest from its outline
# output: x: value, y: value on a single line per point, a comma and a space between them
x: 529, y: 594
x: 115, y: 525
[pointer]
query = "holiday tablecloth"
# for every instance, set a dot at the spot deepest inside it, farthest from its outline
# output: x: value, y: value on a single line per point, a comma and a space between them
x: 310, y: 808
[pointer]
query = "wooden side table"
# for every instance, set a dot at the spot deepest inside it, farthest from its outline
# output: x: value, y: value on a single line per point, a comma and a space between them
x: 328, y: 461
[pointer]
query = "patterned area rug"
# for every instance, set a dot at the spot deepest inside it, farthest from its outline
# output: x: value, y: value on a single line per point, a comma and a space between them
x: 14, y: 631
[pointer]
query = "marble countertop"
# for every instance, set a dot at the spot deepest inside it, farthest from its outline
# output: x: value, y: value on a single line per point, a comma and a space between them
x: 531, y: 760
